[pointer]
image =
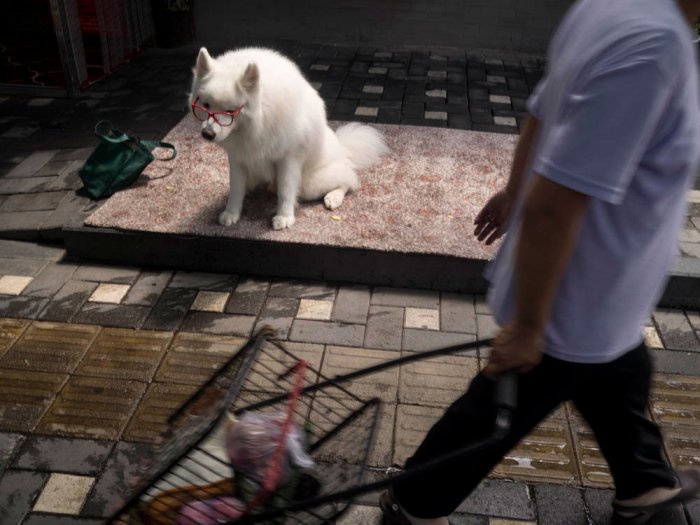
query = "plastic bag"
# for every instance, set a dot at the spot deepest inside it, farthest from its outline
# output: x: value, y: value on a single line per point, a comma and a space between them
x: 252, y: 441
x: 211, y: 511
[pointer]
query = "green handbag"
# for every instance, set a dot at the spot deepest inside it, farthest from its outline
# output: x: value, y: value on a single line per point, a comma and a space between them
x: 117, y: 161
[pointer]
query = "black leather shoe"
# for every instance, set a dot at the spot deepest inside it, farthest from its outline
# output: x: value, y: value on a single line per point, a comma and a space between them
x: 689, y: 483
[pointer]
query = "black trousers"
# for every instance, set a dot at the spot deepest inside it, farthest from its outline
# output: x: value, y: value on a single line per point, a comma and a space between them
x: 612, y: 397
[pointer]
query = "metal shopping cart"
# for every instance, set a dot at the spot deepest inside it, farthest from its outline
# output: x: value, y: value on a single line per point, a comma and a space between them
x: 191, y: 468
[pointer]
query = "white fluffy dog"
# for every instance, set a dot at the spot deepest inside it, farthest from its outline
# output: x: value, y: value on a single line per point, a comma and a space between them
x: 272, y: 123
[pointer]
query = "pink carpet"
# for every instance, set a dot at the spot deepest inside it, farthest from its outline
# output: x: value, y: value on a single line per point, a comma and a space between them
x: 421, y: 199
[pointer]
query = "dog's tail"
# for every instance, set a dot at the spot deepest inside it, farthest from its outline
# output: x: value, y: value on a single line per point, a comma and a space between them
x: 363, y: 145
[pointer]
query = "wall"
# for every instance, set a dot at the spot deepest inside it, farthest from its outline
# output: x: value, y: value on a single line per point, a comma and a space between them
x: 518, y: 25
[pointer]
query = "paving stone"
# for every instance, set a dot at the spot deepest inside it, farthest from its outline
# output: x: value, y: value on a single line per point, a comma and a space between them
x: 106, y: 274
x: 204, y: 281
x: 692, y: 510
x: 268, y: 366
x: 193, y: 358
x: 30, y: 250
x: 10, y: 331
x: 50, y: 347
x: 286, y: 307
x: 595, y: 472
x: 92, y: 407
x: 327, y: 332
x: 21, y: 307
x: 280, y: 325
x: 50, y: 280
x: 161, y: 401
x: 210, y: 301
x: 64, y: 494
x: 350, y: 445
x: 364, y: 111
x: 694, y: 318
x: 117, y: 315
x: 500, y: 499
x: 486, y: 326
x: 25, y: 396
x: 675, y: 330
x: 300, y: 290
x: 16, y: 186
x: 422, y: 318
x: 497, y: 521
x: 437, y: 381
x: 220, y: 324
x: 54, y: 167
x: 360, y: 514
x: 652, y: 338
x: 675, y: 405
x: 57, y: 519
x: 423, y: 340
x: 33, y: 163
x: 20, y: 267
x: 171, y: 309
x: 469, y: 519
x: 55, y: 454
x: 405, y: 297
x: 457, y: 313
x: 9, y: 443
x: 384, y: 327
x: 17, y: 493
x: 676, y: 362
x: 545, y: 455
x: 109, y: 293
x: 33, y: 202
x: 147, y: 289
x: 125, y: 354
x: 248, y: 298
x: 23, y: 224
x: 342, y: 360
x: 352, y: 304
x: 500, y: 99
x: 69, y: 299
x: 13, y: 284
x: 315, y: 309
x: 127, y: 461
x: 559, y: 505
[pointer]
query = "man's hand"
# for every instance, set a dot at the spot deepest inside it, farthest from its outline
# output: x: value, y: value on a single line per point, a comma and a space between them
x: 515, y: 348
x: 492, y: 221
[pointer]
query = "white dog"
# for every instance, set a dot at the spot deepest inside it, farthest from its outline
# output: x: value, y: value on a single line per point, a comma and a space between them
x: 272, y: 123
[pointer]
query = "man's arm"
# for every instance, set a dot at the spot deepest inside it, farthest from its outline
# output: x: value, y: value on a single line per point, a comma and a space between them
x: 492, y: 221
x: 552, y: 216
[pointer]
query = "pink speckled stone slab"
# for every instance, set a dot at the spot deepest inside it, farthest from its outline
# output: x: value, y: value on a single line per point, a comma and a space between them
x: 421, y: 199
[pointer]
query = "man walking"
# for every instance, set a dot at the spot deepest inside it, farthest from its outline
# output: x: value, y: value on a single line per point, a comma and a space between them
x: 594, y: 204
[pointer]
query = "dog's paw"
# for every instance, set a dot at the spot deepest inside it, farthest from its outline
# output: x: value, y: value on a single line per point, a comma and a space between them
x: 227, y: 218
x: 334, y: 199
x: 280, y: 222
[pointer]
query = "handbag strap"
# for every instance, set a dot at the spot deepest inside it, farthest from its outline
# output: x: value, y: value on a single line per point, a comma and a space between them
x: 112, y: 135
x: 115, y: 136
x: 151, y: 144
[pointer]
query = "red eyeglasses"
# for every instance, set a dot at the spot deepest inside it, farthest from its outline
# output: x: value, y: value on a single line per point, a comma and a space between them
x: 222, y: 118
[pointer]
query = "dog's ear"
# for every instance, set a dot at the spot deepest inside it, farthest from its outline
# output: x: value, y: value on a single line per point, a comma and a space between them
x: 204, y: 61
x: 251, y: 78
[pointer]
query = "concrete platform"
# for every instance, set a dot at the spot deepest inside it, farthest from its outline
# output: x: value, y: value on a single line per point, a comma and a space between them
x: 409, y: 225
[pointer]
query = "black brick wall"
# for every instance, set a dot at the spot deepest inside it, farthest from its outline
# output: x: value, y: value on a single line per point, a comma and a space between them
x: 518, y: 25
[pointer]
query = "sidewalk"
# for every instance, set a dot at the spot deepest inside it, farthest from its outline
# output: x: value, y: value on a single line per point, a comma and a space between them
x: 93, y: 359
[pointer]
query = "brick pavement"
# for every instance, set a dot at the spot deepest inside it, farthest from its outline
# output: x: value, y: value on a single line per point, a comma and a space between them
x: 46, y: 144
x: 94, y: 358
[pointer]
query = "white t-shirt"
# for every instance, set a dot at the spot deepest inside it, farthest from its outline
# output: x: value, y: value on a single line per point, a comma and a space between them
x: 619, y: 117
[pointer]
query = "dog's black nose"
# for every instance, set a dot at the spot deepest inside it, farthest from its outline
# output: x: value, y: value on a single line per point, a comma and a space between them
x: 208, y: 134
